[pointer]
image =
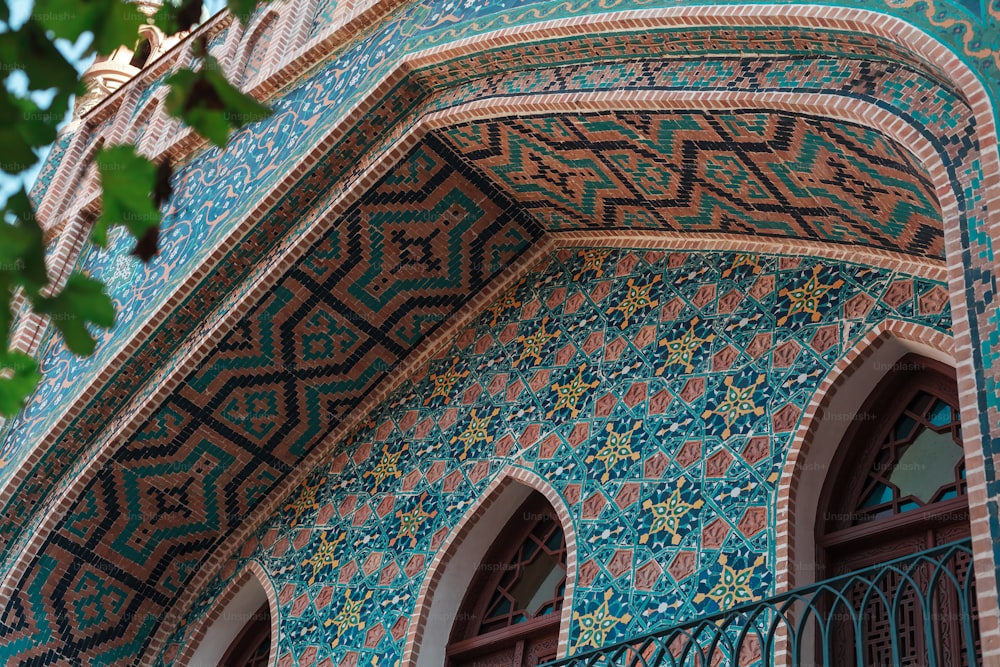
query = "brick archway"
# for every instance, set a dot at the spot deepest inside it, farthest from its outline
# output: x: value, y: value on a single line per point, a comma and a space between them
x: 451, y: 570
x: 821, y: 429
x: 230, y: 613
x: 861, y: 21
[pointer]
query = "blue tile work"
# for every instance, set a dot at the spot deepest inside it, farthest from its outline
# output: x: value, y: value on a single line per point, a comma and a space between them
x: 49, y: 167
x: 214, y: 187
x: 644, y: 349
x: 147, y: 92
x: 323, y: 16
x: 293, y: 368
x: 216, y: 184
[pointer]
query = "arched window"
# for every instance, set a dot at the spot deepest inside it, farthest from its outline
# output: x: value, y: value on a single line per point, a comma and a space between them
x: 510, y: 614
x: 252, y: 646
x: 257, y: 48
x: 897, y: 488
x: 141, y: 55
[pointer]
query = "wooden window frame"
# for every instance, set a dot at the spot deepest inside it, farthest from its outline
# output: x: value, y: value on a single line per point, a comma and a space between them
x: 465, y: 640
x: 864, y: 437
x: 248, y: 641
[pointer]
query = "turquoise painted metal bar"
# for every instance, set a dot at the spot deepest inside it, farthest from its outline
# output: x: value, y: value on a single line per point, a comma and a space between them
x: 937, y: 584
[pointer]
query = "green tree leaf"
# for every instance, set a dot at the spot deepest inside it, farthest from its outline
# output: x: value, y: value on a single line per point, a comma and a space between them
x: 30, y: 50
x: 242, y: 9
x: 18, y: 378
x: 16, y: 134
x: 128, y: 181
x: 112, y: 22
x: 134, y: 188
x: 22, y: 245
x: 211, y: 105
x: 6, y: 314
x: 172, y: 17
x: 83, y: 300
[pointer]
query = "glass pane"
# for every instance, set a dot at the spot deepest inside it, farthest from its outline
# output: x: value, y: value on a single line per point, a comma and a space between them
x: 948, y: 495
x: 904, y: 427
x: 880, y: 494
x: 538, y: 583
x: 920, y: 403
x: 501, y: 609
x: 926, y: 465
x: 940, y: 414
x: 554, y: 543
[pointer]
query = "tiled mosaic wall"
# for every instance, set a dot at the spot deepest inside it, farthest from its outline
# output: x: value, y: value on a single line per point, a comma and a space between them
x: 216, y: 184
x: 657, y: 392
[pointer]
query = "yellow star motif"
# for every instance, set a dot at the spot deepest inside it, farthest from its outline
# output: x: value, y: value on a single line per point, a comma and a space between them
x: 569, y: 394
x: 743, y: 259
x: 410, y: 522
x: 738, y: 402
x: 734, y: 585
x: 667, y: 515
x: 681, y: 350
x: 534, y: 343
x: 386, y: 467
x: 444, y: 383
x: 475, y: 432
x: 594, y: 627
x: 806, y: 299
x: 323, y: 556
x: 507, y: 301
x: 593, y: 260
x: 348, y: 617
x: 305, y: 501
x: 637, y: 297
x: 617, y: 448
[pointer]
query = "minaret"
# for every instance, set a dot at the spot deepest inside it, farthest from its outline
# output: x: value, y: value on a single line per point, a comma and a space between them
x: 109, y: 72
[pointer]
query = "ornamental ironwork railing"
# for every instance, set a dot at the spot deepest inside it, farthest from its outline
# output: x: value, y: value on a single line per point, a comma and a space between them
x: 918, y: 610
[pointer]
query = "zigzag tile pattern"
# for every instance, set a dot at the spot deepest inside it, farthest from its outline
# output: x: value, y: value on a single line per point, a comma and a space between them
x: 213, y: 189
x: 83, y: 608
x: 430, y: 235
x: 213, y: 185
x: 766, y: 174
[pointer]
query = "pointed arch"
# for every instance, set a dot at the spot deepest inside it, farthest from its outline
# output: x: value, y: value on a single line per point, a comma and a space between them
x: 258, y: 46
x: 451, y: 571
x: 820, y: 431
x: 233, y: 609
x: 146, y: 129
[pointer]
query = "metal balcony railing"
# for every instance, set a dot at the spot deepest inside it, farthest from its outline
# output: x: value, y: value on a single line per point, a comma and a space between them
x: 915, y: 611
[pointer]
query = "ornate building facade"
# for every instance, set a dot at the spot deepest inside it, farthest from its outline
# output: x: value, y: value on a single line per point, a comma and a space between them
x: 523, y: 330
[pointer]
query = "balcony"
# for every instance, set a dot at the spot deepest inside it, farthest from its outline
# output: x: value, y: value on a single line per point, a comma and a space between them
x: 919, y: 610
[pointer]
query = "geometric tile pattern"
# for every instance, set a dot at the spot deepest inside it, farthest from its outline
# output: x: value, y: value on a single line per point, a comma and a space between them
x: 245, y: 415
x: 608, y: 372
x: 48, y: 170
x: 392, y: 268
x: 767, y: 174
x: 139, y: 289
x: 257, y: 158
x: 396, y: 266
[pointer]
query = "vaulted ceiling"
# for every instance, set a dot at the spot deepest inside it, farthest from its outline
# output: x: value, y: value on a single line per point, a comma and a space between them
x: 455, y: 212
